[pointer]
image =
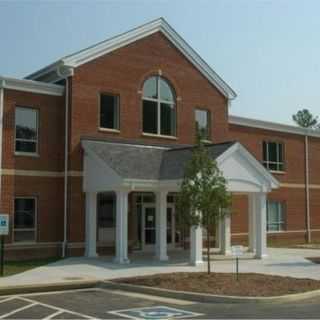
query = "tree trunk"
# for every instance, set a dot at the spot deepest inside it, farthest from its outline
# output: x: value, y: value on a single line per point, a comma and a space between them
x: 208, y: 250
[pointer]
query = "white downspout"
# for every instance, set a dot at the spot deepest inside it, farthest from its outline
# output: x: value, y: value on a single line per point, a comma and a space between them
x: 306, y: 144
x: 1, y: 133
x: 65, y: 204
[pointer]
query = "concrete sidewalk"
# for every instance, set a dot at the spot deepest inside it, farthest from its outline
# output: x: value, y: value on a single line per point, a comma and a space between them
x: 284, y: 262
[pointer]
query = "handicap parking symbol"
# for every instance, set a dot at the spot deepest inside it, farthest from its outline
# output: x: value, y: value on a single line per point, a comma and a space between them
x: 155, y: 313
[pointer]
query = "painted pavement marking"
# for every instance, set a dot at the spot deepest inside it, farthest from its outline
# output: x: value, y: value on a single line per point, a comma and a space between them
x: 155, y: 313
x: 33, y: 303
x: 149, y: 297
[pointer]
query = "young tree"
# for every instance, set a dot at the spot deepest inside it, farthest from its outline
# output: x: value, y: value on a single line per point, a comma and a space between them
x: 305, y: 119
x: 203, y: 198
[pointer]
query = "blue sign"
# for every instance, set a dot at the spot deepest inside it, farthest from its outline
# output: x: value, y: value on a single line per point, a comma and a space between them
x: 4, y: 224
x: 155, y: 313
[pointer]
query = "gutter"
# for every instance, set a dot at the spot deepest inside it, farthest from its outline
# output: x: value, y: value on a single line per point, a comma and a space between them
x: 307, y: 188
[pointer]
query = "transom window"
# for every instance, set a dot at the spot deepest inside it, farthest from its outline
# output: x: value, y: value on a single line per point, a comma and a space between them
x: 273, y: 156
x: 24, y: 228
x: 202, y: 118
x: 159, y: 107
x: 26, y: 130
x: 275, y: 216
x: 109, y: 111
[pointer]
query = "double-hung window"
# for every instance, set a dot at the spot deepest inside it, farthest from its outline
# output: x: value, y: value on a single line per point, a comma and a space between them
x: 159, y: 107
x: 109, y: 112
x: 25, y: 216
x: 275, y: 216
x: 202, y: 118
x: 26, y: 130
x: 273, y: 155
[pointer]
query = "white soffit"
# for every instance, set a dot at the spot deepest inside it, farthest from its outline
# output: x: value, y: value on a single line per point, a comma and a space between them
x: 31, y: 86
x: 107, y: 46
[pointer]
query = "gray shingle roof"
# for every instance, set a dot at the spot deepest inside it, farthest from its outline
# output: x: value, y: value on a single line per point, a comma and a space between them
x: 146, y: 162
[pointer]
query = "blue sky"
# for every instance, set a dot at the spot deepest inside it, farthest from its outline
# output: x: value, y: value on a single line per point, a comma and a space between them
x: 268, y: 51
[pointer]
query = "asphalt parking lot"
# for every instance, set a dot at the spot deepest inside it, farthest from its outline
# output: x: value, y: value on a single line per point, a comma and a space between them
x: 105, y: 304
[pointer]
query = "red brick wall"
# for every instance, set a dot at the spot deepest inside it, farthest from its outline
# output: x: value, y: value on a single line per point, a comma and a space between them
x: 47, y: 190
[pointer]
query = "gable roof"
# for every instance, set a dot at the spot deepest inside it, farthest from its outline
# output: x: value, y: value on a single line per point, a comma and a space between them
x: 53, y: 72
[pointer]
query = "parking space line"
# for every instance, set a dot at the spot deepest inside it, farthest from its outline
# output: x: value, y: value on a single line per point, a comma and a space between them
x: 17, y: 310
x: 56, y: 308
x: 53, y: 315
x: 8, y: 299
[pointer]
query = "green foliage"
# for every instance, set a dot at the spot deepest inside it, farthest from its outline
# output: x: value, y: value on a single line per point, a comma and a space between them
x: 203, y: 198
x: 305, y: 119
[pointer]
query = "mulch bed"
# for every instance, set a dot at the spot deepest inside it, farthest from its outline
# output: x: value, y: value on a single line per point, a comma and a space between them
x: 315, y: 259
x: 249, y: 284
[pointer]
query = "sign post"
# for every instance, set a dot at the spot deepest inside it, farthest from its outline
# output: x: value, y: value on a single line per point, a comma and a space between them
x: 237, y: 251
x: 4, y: 231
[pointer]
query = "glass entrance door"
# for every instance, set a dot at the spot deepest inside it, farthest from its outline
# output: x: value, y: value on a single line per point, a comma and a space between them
x: 148, y: 226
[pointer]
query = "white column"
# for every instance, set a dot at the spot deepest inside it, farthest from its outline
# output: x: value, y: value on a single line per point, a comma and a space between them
x: 196, y: 243
x: 261, y: 225
x: 217, y: 236
x: 252, y: 206
x: 91, y: 225
x: 161, y: 225
x: 122, y: 227
x: 225, y: 232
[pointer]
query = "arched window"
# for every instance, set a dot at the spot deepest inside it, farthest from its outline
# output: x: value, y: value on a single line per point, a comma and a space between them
x: 159, y: 107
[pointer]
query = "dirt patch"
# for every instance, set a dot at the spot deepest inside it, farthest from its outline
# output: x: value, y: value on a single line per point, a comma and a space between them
x: 249, y: 284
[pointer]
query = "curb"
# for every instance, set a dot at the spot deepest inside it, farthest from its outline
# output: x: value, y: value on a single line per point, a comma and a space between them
x: 204, y: 297
x: 59, y: 286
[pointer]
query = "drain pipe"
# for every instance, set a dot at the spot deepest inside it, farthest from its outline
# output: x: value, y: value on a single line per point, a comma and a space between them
x: 306, y: 145
x: 64, y: 72
x: 2, y: 84
x: 65, y: 198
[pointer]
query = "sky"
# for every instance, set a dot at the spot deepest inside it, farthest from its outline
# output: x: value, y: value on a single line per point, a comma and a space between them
x: 268, y: 51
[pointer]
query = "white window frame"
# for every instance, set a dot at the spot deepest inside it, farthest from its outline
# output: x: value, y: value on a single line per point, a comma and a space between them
x: 35, y: 229
x: 281, y: 224
x: 278, y: 163
x: 208, y: 139
x: 23, y: 153
x: 116, y: 130
x: 159, y: 101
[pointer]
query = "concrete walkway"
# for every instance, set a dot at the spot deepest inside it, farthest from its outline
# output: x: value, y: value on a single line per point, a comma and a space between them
x: 285, y: 262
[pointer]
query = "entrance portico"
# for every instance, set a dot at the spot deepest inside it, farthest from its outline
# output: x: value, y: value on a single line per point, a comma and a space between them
x: 124, y: 168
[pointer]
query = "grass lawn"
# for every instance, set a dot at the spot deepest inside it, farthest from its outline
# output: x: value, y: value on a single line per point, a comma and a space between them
x: 13, y: 267
x: 249, y: 284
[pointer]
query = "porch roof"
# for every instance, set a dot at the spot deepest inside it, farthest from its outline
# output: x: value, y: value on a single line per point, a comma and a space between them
x: 132, y: 161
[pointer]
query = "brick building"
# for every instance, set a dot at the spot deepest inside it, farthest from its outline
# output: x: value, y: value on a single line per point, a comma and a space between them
x: 93, y: 148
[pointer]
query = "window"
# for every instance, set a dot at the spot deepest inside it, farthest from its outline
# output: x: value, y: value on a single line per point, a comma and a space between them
x: 273, y: 156
x: 275, y: 216
x: 26, y: 121
x: 106, y: 210
x: 109, y: 111
x: 159, y: 110
x: 203, y: 123
x: 24, y: 219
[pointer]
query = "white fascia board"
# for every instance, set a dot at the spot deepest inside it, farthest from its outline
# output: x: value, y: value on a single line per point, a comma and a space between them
x: 31, y: 86
x: 272, y: 126
x: 114, y: 43
x: 237, y: 147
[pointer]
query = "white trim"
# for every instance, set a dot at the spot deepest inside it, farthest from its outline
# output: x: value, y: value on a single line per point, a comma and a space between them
x: 307, y: 180
x: 273, y: 126
x: 274, y: 183
x: 124, y: 39
x: 39, y: 173
x: 160, y: 136
x: 31, y: 86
